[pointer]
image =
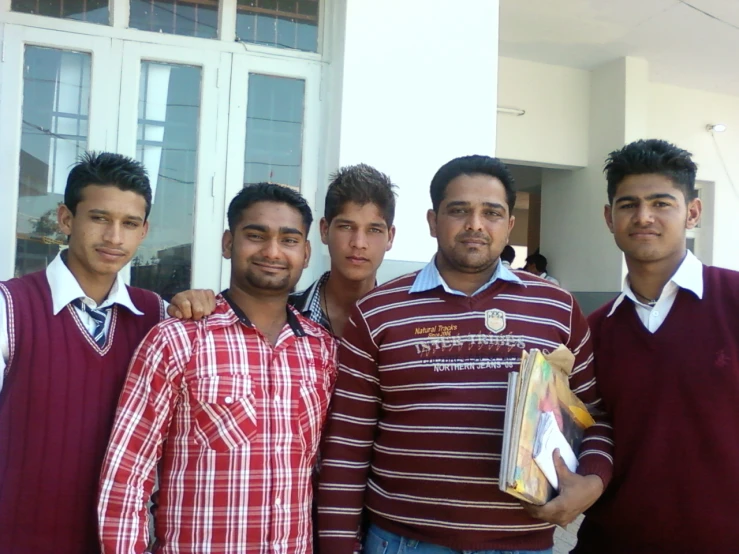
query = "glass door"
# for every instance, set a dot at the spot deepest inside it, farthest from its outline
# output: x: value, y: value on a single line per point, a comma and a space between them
x: 61, y: 83
x: 170, y: 105
x: 273, y: 132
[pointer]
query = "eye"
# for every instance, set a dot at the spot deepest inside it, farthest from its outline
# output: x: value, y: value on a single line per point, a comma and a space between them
x: 375, y: 230
x: 345, y: 227
x: 253, y: 236
x: 98, y: 218
x: 493, y: 213
x: 661, y: 204
x: 628, y: 206
x: 291, y: 241
x: 456, y: 211
x: 131, y: 224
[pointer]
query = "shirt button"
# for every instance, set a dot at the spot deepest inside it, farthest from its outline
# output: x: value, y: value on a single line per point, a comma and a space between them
x: 278, y: 501
x: 278, y: 449
x: 277, y: 398
x: 228, y: 400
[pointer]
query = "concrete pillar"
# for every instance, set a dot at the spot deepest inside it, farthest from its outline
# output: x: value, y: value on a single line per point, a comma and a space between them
x: 575, y: 239
x: 413, y: 84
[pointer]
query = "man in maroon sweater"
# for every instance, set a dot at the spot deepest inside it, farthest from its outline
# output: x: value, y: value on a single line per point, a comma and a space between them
x: 67, y: 335
x: 417, y: 419
x: 667, y: 363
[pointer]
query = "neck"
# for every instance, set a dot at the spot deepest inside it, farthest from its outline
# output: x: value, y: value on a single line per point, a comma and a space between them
x: 344, y: 293
x: 647, y: 279
x: 467, y: 283
x: 266, y: 312
x: 94, y: 285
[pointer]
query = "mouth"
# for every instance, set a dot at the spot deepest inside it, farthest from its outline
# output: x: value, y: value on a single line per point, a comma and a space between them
x: 269, y: 267
x: 644, y: 234
x: 357, y: 259
x: 110, y: 254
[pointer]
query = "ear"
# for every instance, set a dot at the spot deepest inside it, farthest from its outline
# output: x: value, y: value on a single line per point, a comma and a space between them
x: 227, y: 244
x: 431, y: 218
x: 323, y: 226
x: 145, y: 228
x: 390, y: 238
x: 64, y: 218
x: 307, y: 254
x: 695, y: 209
x: 511, y: 223
x: 608, y: 215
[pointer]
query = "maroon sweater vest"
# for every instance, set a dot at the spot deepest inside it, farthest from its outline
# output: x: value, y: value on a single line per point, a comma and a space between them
x: 674, y: 401
x: 56, y: 412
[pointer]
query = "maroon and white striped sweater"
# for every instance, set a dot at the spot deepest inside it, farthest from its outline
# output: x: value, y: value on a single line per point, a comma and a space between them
x: 417, y: 418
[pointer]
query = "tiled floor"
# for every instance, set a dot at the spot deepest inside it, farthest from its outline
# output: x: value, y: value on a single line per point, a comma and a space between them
x: 565, y: 539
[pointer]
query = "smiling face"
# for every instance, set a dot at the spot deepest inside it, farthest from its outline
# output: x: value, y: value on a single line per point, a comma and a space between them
x: 268, y: 249
x: 104, y: 232
x: 472, y: 224
x: 649, y: 216
x: 357, y: 240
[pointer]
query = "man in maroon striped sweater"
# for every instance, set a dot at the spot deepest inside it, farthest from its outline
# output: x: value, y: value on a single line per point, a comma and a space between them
x: 667, y: 362
x: 417, y: 421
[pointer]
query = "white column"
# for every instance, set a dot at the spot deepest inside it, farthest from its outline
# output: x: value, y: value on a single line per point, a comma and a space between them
x: 417, y: 86
x: 574, y: 236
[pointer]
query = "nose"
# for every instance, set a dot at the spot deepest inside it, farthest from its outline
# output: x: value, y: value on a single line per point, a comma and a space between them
x: 113, y: 234
x: 643, y: 215
x: 474, y: 221
x: 358, y: 240
x: 271, y: 249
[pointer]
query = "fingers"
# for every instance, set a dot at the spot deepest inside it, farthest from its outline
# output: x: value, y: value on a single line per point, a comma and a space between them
x: 174, y: 312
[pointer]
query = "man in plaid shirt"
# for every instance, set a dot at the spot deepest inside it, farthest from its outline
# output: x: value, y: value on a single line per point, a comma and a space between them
x: 230, y: 407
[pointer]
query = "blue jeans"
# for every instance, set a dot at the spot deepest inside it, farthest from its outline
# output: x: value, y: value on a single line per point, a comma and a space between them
x: 379, y: 541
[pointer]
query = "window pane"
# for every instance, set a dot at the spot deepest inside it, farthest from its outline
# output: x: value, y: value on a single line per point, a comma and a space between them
x: 282, y: 23
x: 56, y: 98
x: 167, y: 144
x: 93, y: 11
x: 274, y: 130
x: 198, y: 18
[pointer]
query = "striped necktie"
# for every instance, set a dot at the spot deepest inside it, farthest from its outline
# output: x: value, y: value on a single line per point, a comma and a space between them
x: 99, y: 316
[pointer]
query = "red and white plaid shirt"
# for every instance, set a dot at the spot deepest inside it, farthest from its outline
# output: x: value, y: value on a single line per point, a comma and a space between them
x: 236, y: 424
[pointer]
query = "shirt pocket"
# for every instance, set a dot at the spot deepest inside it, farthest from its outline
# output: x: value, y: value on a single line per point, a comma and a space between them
x: 224, y: 410
x: 313, y: 400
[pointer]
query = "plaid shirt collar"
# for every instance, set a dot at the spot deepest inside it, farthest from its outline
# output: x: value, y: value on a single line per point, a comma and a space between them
x: 308, y: 302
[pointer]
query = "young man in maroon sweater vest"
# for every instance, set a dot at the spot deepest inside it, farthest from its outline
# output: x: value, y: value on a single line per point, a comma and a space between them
x: 667, y: 363
x: 417, y: 419
x: 67, y: 335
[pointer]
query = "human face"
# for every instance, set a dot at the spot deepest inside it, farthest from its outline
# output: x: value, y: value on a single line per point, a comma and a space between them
x: 472, y: 225
x: 105, y: 230
x: 357, y: 239
x: 268, y: 249
x: 649, y: 216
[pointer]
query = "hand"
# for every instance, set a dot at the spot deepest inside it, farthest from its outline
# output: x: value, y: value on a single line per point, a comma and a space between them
x: 192, y: 304
x: 576, y: 494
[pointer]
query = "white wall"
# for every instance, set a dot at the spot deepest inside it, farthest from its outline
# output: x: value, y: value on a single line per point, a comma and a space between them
x: 418, y: 89
x: 680, y: 115
x: 554, y: 130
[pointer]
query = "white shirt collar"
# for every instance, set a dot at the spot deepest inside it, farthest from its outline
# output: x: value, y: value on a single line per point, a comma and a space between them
x: 689, y: 276
x: 65, y: 288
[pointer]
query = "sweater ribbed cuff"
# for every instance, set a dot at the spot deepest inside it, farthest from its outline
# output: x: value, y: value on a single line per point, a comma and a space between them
x: 595, y: 464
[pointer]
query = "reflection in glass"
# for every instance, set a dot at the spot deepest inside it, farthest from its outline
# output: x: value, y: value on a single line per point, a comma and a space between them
x: 198, y: 18
x: 56, y: 98
x: 92, y: 11
x: 167, y: 144
x: 274, y: 130
x: 282, y: 23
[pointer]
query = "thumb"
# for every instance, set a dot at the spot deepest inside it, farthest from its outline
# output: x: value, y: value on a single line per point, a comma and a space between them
x: 563, y: 472
x: 174, y: 312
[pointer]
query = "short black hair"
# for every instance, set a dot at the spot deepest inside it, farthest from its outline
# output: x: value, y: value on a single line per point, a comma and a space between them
x: 472, y: 165
x: 539, y: 261
x: 106, y: 169
x: 268, y: 192
x: 508, y: 254
x: 362, y: 184
x: 651, y: 156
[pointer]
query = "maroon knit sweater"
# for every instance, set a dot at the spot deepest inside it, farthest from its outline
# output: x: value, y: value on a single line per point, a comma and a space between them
x: 416, y: 427
x: 674, y: 401
x: 56, y: 411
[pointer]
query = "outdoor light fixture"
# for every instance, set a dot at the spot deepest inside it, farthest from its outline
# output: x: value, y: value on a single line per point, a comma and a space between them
x: 716, y: 128
x: 513, y: 111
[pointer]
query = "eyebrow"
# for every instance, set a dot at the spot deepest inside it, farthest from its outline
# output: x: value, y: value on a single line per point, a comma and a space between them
x: 105, y: 212
x: 265, y: 229
x: 655, y: 196
x: 342, y: 221
x: 462, y: 203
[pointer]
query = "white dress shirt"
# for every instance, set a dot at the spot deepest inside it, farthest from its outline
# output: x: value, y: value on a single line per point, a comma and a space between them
x: 65, y: 289
x: 689, y: 276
